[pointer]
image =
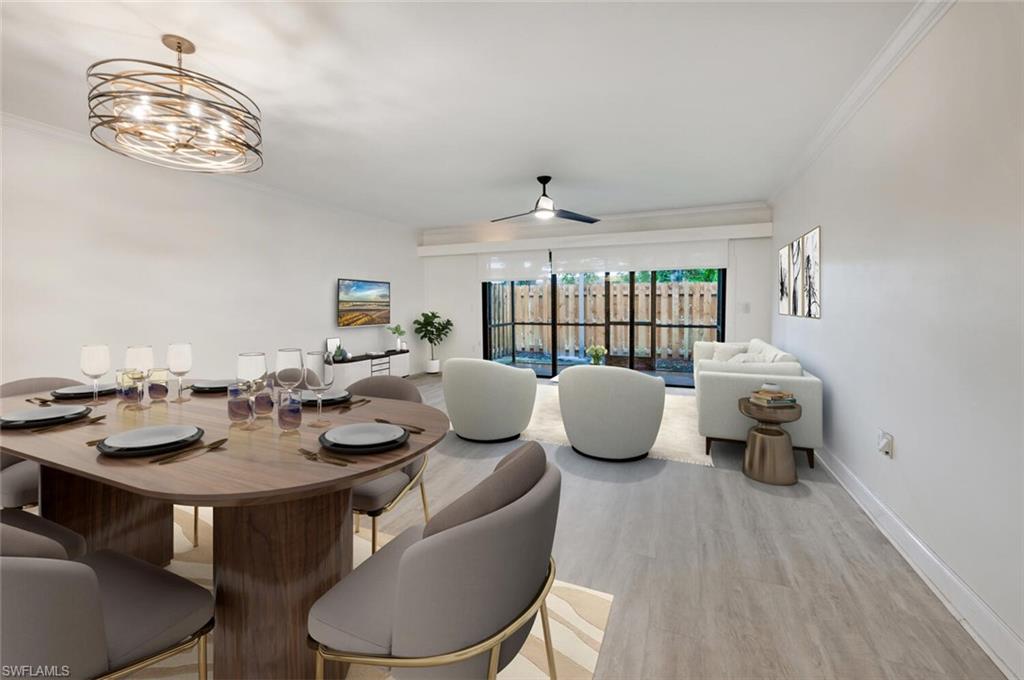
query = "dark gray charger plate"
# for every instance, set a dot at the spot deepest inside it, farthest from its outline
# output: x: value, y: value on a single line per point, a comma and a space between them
x: 363, y: 450
x: 114, y: 452
x: 27, y: 424
x: 82, y: 392
x: 332, y: 400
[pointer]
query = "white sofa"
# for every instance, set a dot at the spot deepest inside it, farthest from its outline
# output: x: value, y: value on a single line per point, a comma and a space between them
x: 610, y: 413
x: 721, y: 380
x: 488, y: 401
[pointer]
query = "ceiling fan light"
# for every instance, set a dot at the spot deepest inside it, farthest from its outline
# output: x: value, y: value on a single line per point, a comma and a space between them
x: 544, y: 213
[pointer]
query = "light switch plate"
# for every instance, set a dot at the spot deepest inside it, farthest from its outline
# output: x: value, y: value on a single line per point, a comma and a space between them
x: 885, y: 443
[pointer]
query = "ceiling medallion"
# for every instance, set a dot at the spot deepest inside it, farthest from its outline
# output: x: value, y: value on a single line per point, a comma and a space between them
x: 173, y: 117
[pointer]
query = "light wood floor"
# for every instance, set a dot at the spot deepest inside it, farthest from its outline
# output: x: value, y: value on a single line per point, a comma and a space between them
x: 717, y: 576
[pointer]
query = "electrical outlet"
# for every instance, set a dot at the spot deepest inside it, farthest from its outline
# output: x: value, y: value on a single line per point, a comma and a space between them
x: 885, y: 443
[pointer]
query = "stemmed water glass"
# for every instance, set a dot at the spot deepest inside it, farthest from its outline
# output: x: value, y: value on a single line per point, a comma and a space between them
x: 140, y: 359
x: 95, y: 362
x: 252, y: 374
x: 179, y: 363
x: 288, y: 368
x: 319, y: 378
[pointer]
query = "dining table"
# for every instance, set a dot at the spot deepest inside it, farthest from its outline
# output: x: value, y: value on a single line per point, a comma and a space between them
x: 282, y: 522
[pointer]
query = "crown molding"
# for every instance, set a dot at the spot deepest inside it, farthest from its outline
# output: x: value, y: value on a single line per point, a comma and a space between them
x: 914, y: 27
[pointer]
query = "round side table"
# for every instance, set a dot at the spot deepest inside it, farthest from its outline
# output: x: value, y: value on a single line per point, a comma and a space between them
x: 769, y: 454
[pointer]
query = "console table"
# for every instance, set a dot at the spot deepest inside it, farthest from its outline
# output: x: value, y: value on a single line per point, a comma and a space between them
x: 393, y: 362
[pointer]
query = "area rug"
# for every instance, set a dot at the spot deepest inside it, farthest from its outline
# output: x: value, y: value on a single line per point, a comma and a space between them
x: 578, y: 615
x: 677, y: 440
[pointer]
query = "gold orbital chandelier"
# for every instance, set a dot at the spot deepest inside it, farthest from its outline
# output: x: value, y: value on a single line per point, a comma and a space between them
x: 173, y: 117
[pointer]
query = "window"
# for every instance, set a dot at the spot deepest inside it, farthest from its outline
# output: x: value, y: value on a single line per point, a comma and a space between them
x: 647, y: 320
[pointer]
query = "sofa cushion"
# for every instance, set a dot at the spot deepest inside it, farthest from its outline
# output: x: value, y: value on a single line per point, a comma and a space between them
x: 771, y: 353
x: 514, y: 475
x: 727, y: 352
x: 747, y: 358
x: 776, y: 368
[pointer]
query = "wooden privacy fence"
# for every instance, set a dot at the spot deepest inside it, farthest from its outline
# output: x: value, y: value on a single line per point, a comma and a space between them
x: 675, y: 302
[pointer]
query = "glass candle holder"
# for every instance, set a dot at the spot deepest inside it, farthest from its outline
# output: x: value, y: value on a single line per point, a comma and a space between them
x: 263, y: 403
x: 239, y: 406
x: 289, y: 411
x: 158, y: 379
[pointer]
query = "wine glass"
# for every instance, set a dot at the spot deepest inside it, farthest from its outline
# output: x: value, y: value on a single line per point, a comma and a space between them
x: 319, y: 378
x: 179, y: 363
x: 139, y: 358
x: 252, y: 373
x: 288, y: 367
x: 95, y: 362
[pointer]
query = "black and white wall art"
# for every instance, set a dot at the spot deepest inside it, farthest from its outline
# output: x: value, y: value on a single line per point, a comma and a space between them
x: 799, y: 277
x: 783, y: 279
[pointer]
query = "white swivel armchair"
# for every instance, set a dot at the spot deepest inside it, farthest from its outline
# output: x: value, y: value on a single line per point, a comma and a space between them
x: 611, y: 413
x: 488, y: 401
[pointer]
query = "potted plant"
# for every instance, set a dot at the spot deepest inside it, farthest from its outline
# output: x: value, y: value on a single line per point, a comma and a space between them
x: 432, y: 328
x: 399, y: 333
x: 596, y: 353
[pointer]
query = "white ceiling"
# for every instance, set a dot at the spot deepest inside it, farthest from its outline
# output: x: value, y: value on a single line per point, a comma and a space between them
x: 442, y: 114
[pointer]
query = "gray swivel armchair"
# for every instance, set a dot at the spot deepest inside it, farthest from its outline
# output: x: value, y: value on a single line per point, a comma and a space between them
x: 19, y: 479
x: 461, y: 592
x: 106, y: 615
x: 382, y: 494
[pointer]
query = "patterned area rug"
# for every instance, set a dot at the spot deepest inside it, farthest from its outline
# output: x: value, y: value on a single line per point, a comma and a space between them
x: 677, y: 440
x: 578, y: 615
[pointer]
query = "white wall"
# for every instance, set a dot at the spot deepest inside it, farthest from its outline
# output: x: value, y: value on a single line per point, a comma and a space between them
x: 102, y: 249
x: 920, y: 205
x: 748, y: 300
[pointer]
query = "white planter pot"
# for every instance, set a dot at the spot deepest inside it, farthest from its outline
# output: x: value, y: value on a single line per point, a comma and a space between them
x: 434, y: 366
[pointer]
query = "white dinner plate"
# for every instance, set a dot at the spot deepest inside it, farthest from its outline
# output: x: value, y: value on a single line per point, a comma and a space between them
x: 212, y: 385
x: 329, y: 397
x: 364, y: 434
x: 150, y: 437
x: 36, y: 415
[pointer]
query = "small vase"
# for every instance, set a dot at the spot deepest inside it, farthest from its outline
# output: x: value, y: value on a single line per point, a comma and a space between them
x: 398, y: 344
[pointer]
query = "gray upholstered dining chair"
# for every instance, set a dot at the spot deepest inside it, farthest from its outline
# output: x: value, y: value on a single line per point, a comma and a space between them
x: 461, y: 592
x: 105, y: 615
x: 19, y: 481
x: 380, y: 495
x: 22, y: 534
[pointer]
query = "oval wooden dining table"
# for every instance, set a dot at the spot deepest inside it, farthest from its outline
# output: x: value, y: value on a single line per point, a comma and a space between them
x: 282, y: 524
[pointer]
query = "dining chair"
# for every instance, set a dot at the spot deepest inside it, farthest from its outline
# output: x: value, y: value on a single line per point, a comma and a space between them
x: 21, y: 533
x: 19, y: 483
x: 105, y: 615
x: 376, y: 497
x: 461, y: 592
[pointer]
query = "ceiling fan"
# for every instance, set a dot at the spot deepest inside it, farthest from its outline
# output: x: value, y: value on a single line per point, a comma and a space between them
x: 545, y: 209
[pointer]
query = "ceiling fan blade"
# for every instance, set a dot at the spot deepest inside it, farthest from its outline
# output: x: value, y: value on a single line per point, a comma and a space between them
x: 576, y: 217
x: 512, y: 217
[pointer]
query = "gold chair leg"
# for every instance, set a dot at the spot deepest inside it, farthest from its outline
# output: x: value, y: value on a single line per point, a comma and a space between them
x: 548, y: 644
x: 373, y: 539
x: 423, y: 495
x: 359, y: 516
x: 202, y: 658
x: 319, y: 665
x: 492, y: 667
x: 195, y: 526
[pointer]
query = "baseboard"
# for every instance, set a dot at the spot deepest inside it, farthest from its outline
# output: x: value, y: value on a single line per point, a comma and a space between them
x: 999, y: 641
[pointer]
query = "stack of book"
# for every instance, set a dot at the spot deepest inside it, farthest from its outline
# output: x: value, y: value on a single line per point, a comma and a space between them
x: 772, y: 398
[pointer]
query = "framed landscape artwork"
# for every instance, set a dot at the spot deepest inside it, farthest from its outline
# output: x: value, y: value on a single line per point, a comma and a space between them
x: 799, y: 277
x: 363, y: 303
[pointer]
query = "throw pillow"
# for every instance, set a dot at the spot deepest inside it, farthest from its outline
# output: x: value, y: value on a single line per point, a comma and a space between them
x: 726, y: 353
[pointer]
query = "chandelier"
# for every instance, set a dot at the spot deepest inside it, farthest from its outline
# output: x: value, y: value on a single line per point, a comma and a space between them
x: 173, y: 117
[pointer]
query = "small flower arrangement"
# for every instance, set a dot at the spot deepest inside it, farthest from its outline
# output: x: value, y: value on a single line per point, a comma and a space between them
x: 396, y: 330
x: 596, y: 353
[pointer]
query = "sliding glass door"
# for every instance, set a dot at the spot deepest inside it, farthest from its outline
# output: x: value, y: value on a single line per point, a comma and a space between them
x: 647, y: 320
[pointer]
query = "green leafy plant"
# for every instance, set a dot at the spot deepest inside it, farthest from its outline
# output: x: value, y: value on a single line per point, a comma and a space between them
x: 596, y: 353
x: 432, y: 328
x: 396, y: 330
